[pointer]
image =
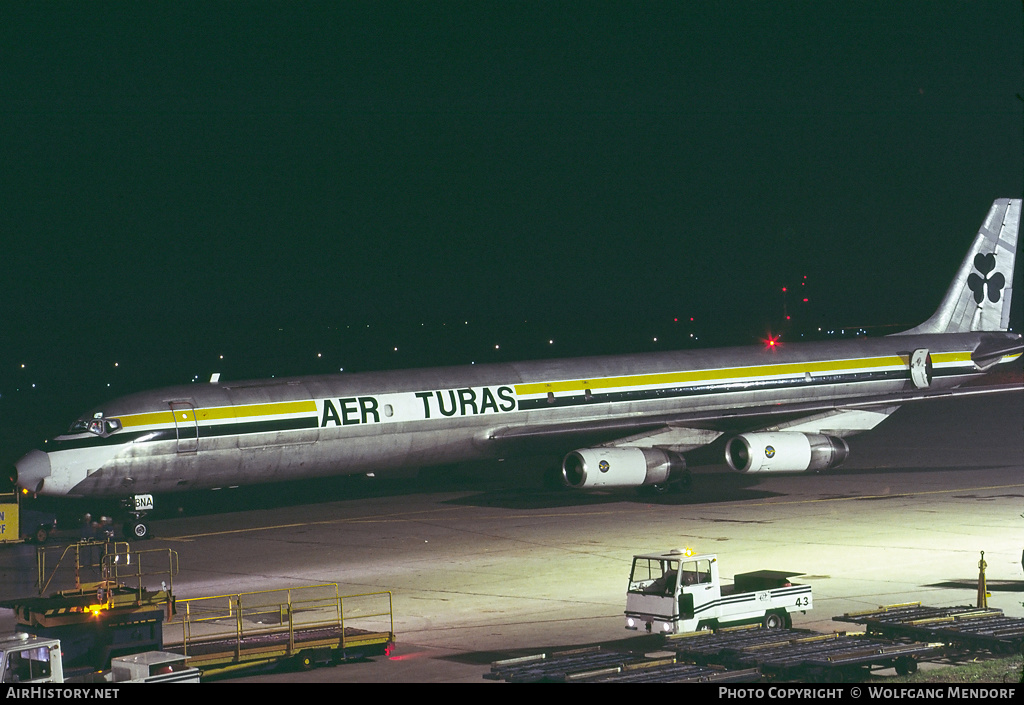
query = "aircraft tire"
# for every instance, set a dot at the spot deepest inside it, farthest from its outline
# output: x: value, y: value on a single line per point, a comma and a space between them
x: 652, y: 490
x: 136, y: 530
x: 683, y: 484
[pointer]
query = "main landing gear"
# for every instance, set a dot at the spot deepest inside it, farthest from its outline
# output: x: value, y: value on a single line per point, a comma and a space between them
x: 678, y: 484
x: 138, y: 505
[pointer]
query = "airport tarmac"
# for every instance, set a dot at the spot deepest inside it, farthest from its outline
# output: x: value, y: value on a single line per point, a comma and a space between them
x: 483, y: 568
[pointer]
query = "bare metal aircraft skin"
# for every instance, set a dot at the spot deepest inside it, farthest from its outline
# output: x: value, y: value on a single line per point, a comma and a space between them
x: 619, y: 421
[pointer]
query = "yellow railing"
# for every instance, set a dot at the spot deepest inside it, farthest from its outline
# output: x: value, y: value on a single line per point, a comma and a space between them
x: 106, y: 565
x: 127, y: 568
x: 83, y: 558
x: 238, y: 616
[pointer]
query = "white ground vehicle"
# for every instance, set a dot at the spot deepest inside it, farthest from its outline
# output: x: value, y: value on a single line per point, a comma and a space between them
x: 29, y: 659
x: 678, y: 591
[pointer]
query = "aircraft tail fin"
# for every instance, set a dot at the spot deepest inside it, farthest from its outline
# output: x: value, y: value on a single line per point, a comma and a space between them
x: 979, y: 297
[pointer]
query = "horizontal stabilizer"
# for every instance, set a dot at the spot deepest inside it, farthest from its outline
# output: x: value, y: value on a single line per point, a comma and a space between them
x: 992, y: 350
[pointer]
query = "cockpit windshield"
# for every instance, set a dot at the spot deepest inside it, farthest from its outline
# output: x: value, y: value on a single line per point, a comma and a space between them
x: 652, y: 576
x: 97, y: 425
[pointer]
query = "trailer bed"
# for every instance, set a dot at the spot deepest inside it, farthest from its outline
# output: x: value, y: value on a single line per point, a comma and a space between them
x: 310, y: 625
x: 736, y: 654
x: 962, y: 627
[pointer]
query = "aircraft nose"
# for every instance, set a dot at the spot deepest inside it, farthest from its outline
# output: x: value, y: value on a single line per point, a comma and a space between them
x: 33, y: 469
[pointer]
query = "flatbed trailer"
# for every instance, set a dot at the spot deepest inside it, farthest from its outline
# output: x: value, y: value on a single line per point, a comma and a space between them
x: 596, y: 664
x: 307, y: 626
x: 962, y: 627
x: 796, y: 654
x: 745, y: 654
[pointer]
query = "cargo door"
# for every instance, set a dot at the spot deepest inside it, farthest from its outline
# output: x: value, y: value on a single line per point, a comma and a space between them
x: 184, y: 413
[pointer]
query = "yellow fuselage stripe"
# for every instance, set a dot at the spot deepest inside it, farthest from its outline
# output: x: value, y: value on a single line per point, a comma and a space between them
x: 697, y: 376
x: 222, y: 412
x: 305, y: 406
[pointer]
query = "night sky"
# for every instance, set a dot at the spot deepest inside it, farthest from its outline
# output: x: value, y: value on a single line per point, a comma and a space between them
x: 265, y: 180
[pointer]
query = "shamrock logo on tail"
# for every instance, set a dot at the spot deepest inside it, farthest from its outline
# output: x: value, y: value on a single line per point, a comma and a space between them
x: 995, y: 283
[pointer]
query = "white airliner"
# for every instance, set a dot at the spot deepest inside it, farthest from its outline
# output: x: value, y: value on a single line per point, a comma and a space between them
x: 623, y: 421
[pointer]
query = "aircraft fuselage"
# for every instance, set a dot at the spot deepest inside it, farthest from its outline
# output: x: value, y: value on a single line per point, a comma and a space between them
x: 213, y: 435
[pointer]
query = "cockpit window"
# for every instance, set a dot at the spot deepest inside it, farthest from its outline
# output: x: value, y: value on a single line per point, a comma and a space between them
x: 79, y: 426
x: 97, y: 425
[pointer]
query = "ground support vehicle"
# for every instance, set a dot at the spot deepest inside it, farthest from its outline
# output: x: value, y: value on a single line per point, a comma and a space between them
x: 678, y: 591
x: 26, y: 659
x: 305, y: 626
x: 959, y: 628
x: 94, y: 601
x: 18, y: 524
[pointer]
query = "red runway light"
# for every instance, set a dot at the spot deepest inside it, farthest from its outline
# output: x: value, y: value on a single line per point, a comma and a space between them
x: 772, y: 342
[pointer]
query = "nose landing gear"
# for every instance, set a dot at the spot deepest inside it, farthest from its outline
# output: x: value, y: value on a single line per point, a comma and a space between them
x: 138, y: 505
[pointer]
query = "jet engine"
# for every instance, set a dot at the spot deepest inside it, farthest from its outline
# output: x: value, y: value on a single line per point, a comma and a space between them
x: 785, y: 451
x: 589, y: 468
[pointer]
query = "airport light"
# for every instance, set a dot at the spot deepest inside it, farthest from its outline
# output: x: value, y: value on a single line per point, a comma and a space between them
x: 772, y: 342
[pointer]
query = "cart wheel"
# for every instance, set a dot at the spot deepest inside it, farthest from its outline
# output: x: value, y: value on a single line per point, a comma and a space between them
x: 773, y: 621
x: 42, y: 533
x: 816, y: 675
x: 304, y: 661
x: 905, y: 665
